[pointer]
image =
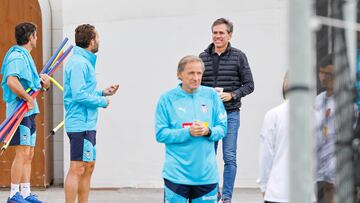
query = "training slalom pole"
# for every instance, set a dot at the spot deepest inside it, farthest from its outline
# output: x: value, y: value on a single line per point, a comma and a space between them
x: 59, y: 62
x: 11, y: 121
x: 61, y: 124
x: 12, y: 114
x: 56, y: 83
x: 50, y: 63
x: 10, y: 135
x: 52, y: 59
x: 12, y: 132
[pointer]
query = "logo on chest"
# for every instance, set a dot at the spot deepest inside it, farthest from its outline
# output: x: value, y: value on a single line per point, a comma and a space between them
x: 204, y: 108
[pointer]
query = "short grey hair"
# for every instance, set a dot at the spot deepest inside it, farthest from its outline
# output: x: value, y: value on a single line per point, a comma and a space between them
x: 188, y: 59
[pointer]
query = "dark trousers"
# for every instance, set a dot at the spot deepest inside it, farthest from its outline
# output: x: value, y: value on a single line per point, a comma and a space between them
x: 325, y: 192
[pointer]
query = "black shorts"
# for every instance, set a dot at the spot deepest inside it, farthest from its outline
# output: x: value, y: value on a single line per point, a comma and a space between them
x: 25, y: 135
x: 82, y: 146
x: 180, y: 193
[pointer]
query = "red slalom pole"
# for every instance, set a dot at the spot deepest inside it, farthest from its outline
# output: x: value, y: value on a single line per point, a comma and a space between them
x: 11, y: 134
x: 11, y: 121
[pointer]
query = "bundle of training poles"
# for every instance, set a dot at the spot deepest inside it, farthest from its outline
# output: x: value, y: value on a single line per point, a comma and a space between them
x: 11, y: 123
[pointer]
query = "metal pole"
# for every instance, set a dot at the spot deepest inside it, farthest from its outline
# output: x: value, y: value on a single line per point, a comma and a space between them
x: 301, y: 94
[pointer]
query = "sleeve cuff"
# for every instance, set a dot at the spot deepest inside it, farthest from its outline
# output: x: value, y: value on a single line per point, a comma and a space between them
x: 103, y: 102
x: 99, y: 93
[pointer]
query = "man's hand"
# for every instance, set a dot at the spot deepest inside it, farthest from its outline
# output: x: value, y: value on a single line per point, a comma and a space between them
x: 45, y: 80
x: 198, y: 129
x: 30, y: 103
x: 225, y: 96
x: 110, y: 90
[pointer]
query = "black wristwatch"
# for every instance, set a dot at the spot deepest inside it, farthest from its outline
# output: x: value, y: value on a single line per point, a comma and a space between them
x: 209, y: 133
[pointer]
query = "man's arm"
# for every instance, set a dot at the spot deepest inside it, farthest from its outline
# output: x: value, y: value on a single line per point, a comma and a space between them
x: 246, y: 79
x: 218, y: 131
x: 266, y: 155
x: 79, y: 93
x: 16, y: 87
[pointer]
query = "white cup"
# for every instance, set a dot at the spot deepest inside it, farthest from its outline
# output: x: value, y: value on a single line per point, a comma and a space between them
x: 219, y: 90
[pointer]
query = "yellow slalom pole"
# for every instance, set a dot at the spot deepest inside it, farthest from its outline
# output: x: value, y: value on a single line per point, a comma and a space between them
x: 56, y: 83
x: 58, y: 56
x: 60, y: 125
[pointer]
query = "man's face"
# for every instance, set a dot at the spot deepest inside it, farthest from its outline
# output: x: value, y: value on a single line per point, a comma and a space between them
x: 95, y: 43
x: 326, y: 76
x: 191, y: 76
x: 33, y: 39
x: 220, y: 36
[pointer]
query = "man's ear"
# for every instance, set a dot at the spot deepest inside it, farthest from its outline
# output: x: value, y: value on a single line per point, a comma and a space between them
x: 179, y: 76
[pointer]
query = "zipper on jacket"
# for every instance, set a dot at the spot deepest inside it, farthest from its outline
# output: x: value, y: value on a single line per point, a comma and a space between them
x: 193, y: 101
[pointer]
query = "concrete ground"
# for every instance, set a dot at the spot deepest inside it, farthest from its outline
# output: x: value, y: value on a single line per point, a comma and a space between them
x: 126, y: 195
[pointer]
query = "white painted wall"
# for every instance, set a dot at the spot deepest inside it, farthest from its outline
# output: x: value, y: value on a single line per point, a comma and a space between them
x: 51, y: 11
x: 141, y: 43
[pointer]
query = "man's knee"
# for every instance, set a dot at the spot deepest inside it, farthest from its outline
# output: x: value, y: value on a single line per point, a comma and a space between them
x: 230, y: 157
x: 89, y: 169
x: 78, y: 169
x: 24, y: 153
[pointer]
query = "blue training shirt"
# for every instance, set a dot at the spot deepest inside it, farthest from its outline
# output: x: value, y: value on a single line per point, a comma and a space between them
x: 19, y: 63
x: 190, y: 160
x: 81, y: 99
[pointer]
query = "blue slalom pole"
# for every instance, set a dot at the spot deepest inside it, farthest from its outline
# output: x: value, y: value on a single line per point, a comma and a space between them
x: 47, y: 65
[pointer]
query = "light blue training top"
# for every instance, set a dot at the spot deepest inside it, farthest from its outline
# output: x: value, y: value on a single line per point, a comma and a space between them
x: 81, y: 99
x: 18, y: 62
x: 190, y: 160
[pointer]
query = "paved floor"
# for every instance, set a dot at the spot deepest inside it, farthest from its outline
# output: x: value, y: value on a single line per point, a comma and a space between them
x: 56, y: 195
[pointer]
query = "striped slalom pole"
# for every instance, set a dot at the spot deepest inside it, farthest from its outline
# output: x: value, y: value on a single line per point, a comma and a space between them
x: 59, y: 62
x: 52, y: 59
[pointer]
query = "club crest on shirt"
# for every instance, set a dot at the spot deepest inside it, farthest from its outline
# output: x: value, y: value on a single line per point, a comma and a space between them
x: 24, y: 137
x: 204, y: 108
x: 88, y: 154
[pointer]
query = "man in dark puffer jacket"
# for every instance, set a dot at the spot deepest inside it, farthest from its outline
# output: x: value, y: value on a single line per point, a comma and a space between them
x: 228, y: 71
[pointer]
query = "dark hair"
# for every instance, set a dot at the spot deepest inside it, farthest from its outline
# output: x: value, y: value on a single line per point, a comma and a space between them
x: 227, y: 22
x: 23, y: 31
x: 84, y: 34
x: 326, y: 60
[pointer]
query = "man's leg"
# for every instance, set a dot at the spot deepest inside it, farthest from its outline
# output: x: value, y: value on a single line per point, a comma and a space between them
x: 84, y: 184
x: 329, y: 192
x: 24, y: 142
x: 18, y: 167
x: 320, y: 191
x: 229, y: 154
x: 26, y: 173
x: 76, y: 171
